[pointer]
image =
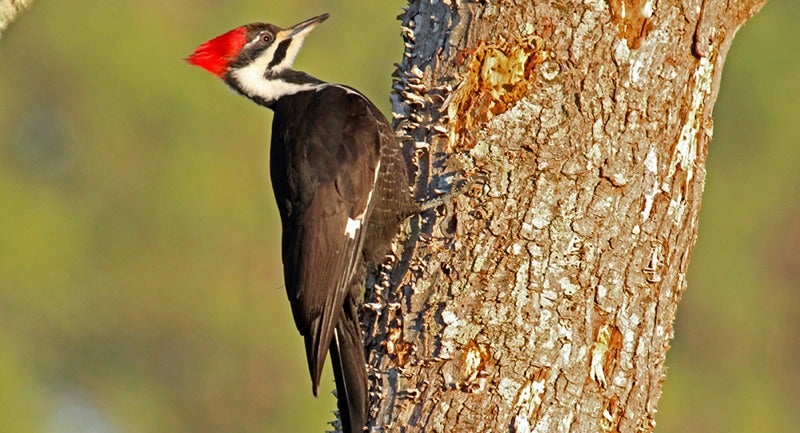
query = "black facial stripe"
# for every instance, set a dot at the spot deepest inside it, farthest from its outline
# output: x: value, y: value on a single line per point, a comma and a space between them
x: 280, y: 53
x: 248, y: 55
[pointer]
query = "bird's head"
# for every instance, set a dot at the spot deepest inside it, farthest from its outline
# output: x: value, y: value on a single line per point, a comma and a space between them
x: 256, y: 59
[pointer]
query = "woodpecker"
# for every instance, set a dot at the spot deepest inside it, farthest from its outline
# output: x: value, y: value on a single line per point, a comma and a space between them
x: 342, y: 189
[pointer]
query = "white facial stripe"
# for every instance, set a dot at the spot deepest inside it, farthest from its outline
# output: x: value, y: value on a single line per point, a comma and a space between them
x: 266, y: 57
x: 294, y: 47
x: 253, y: 41
x: 291, y: 53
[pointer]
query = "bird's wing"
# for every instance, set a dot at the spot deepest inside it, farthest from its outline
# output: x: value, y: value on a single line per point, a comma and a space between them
x: 333, y: 173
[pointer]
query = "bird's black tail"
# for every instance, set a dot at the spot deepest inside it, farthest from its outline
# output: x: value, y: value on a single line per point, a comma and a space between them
x: 349, y: 371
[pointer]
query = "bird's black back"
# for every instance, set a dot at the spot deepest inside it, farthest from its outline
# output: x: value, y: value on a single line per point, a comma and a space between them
x: 326, y: 147
x: 324, y: 156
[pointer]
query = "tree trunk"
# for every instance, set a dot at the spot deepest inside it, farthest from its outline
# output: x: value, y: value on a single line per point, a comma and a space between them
x: 543, y: 298
x: 9, y: 9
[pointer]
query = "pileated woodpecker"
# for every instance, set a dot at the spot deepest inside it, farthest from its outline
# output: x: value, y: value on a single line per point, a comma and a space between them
x: 342, y: 189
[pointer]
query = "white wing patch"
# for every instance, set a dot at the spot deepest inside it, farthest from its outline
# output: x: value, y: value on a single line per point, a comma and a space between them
x: 353, y: 225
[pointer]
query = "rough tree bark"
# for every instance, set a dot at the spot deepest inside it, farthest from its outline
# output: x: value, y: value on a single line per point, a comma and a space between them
x: 543, y: 298
x: 9, y: 9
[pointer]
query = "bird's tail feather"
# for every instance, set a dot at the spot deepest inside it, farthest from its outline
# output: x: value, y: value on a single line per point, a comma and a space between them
x: 349, y: 371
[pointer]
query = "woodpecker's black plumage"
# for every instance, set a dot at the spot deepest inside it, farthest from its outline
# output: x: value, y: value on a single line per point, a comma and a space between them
x: 341, y: 186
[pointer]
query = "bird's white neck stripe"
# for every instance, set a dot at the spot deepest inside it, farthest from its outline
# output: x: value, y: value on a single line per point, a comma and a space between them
x: 254, y: 84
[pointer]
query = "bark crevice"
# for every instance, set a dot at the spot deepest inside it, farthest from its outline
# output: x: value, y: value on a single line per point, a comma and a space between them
x: 543, y: 298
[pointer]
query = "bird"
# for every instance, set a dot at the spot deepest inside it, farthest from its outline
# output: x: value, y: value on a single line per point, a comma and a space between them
x: 342, y: 189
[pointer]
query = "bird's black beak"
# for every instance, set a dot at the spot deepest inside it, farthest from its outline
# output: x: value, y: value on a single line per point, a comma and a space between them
x: 306, y: 26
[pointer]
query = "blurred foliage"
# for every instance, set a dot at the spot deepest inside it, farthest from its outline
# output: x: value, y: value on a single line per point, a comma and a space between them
x: 140, y: 279
x: 140, y: 284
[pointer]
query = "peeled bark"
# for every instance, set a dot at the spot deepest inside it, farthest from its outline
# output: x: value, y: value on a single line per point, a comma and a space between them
x: 543, y: 298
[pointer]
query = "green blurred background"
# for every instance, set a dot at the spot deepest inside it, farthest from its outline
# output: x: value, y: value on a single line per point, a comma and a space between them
x: 140, y: 286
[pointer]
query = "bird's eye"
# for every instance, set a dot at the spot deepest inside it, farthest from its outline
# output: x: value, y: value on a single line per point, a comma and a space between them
x: 266, y: 37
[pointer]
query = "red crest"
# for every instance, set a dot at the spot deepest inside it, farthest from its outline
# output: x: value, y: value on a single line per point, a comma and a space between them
x: 216, y: 54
